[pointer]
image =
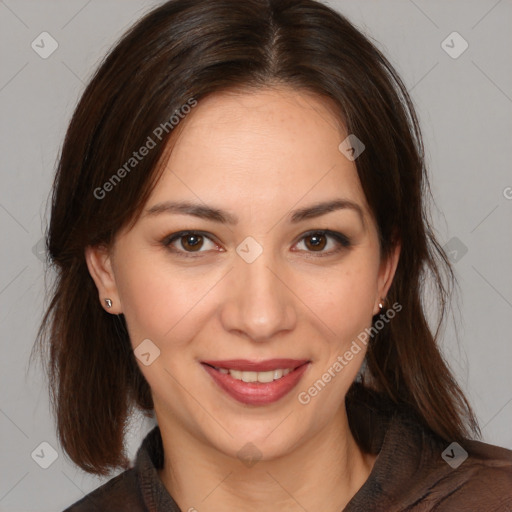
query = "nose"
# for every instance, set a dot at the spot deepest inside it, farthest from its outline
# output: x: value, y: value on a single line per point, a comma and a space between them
x: 260, y: 303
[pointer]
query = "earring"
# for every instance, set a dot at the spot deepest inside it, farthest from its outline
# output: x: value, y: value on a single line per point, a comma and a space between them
x: 381, y: 305
x: 108, y: 303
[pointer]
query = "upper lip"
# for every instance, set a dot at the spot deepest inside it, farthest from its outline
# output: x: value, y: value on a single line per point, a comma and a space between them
x: 245, y: 365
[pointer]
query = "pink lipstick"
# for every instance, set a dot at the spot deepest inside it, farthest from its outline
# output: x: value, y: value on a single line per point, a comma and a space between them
x: 256, y: 382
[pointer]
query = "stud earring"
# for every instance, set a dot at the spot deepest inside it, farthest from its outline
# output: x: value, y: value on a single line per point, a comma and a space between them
x: 108, y: 303
x: 381, y: 304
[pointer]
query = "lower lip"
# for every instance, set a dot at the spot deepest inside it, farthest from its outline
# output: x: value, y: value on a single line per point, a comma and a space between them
x: 257, y: 393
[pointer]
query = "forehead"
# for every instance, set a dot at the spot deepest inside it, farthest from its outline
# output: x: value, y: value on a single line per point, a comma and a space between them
x: 259, y: 149
x: 259, y: 115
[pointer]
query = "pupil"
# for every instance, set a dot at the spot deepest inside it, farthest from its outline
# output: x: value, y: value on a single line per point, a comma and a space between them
x: 317, y: 240
x: 192, y: 240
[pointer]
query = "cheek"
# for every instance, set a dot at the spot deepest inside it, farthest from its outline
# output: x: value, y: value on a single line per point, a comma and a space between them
x: 344, y: 301
x: 161, y: 303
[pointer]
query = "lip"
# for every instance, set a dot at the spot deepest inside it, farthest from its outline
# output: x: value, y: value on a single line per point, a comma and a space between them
x: 254, y: 393
x: 244, y: 365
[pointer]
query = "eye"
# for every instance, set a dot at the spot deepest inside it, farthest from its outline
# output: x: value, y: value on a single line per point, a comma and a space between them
x: 318, y: 241
x: 185, y: 242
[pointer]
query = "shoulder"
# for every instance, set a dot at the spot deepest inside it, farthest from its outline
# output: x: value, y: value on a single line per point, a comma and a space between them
x: 469, y: 476
x: 118, y: 494
x: 417, y: 470
x: 487, y: 472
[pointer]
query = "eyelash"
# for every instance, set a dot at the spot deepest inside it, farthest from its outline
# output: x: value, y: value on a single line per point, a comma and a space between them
x: 343, y: 241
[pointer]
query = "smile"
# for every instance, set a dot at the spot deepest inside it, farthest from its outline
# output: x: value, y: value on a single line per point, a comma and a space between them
x: 256, y: 376
x: 256, y: 383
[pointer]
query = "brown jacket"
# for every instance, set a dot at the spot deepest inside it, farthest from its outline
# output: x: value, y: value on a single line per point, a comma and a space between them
x: 415, y: 471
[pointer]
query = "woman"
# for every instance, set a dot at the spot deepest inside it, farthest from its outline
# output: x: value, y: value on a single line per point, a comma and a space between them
x: 240, y: 232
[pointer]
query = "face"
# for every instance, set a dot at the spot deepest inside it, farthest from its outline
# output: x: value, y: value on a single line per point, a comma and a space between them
x: 273, y: 254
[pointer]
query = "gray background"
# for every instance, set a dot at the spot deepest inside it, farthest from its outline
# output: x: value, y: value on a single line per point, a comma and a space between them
x: 464, y: 105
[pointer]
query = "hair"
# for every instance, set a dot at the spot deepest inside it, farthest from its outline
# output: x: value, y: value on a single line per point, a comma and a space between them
x: 188, y: 49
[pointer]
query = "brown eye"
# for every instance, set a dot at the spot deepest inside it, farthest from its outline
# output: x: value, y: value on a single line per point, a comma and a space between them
x: 191, y: 242
x: 324, y: 242
x: 316, y: 241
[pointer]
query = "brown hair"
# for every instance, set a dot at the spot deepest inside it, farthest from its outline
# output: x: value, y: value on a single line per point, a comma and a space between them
x: 188, y: 49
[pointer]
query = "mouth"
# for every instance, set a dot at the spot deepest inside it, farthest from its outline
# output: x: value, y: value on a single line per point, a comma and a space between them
x: 257, y: 383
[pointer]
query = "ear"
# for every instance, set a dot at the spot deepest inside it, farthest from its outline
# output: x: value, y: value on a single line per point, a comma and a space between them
x: 386, y: 274
x: 99, y: 263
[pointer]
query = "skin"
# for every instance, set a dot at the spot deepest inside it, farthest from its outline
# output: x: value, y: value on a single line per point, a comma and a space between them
x: 258, y: 155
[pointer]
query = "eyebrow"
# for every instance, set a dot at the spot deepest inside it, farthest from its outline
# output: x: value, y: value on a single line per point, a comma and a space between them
x: 223, y: 217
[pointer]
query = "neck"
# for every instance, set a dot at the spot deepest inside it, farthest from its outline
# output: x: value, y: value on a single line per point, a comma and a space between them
x: 323, y: 473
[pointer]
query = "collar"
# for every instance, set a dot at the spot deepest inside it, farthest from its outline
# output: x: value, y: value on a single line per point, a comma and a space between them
x: 378, y: 427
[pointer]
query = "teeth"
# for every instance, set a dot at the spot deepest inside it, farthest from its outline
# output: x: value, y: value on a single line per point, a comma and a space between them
x: 262, y: 377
